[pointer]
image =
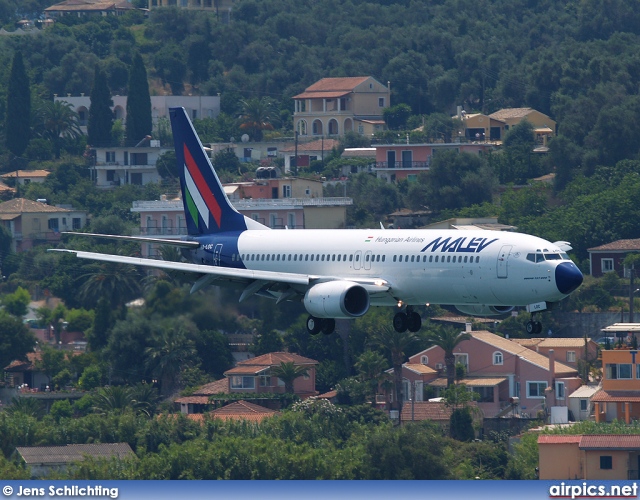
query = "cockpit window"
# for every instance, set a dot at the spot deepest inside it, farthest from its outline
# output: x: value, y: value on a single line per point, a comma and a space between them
x: 539, y: 257
x: 565, y: 256
x: 531, y: 257
x: 552, y: 256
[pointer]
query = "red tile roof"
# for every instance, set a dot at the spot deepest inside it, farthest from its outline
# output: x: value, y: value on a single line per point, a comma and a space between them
x: 610, y: 441
x: 617, y: 246
x: 218, y: 387
x: 194, y: 400
x: 603, y: 396
x: 425, y: 410
x: 558, y: 439
x: 275, y: 358
x: 334, y: 84
x: 243, y: 410
x: 327, y: 144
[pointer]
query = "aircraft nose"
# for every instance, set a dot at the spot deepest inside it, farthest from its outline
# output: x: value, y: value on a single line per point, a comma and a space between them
x: 568, y: 277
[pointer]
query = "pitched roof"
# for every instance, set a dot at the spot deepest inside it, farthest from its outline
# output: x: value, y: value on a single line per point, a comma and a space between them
x: 425, y: 410
x: 525, y: 353
x: 218, y: 387
x: 25, y: 174
x: 603, y: 396
x: 553, y: 342
x: 558, y: 439
x: 194, y: 400
x: 471, y: 382
x: 617, y: 246
x: 22, y: 205
x: 92, y: 5
x: 335, y: 84
x: 275, y: 358
x: 33, y: 455
x: 610, y: 441
x: 418, y: 368
x: 503, y: 114
x: 243, y: 410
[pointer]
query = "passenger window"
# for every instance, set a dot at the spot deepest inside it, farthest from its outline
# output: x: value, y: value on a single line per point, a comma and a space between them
x: 430, y: 258
x: 383, y: 258
x: 357, y: 258
x: 339, y: 257
x: 460, y: 259
x: 412, y: 257
x: 465, y: 259
x: 394, y: 258
x: 350, y: 258
x: 477, y: 259
x: 448, y: 258
x: 436, y: 258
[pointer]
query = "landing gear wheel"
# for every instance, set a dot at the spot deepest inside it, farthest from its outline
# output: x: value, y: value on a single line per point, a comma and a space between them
x: 530, y: 327
x: 414, y: 321
x: 313, y: 325
x: 328, y: 326
x: 400, y: 322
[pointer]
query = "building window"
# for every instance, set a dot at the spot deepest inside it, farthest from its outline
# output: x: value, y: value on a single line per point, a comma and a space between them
x: 560, y: 390
x: 111, y: 156
x: 381, y: 102
x: 265, y: 381
x: 571, y: 356
x: 583, y: 405
x: 424, y: 360
x: 111, y: 174
x: 536, y: 389
x: 286, y: 191
x: 497, y: 358
x: 136, y: 179
x: 76, y: 223
x: 606, y: 462
x: 607, y: 265
x: 243, y: 383
x: 618, y: 371
x: 462, y: 359
x: 53, y: 224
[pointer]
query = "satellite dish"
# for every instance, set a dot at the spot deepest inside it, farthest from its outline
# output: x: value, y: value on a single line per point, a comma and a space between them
x: 244, y: 138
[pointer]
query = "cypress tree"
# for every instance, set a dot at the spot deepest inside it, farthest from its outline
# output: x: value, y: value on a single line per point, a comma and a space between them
x: 138, y: 122
x: 100, y: 115
x: 17, y: 121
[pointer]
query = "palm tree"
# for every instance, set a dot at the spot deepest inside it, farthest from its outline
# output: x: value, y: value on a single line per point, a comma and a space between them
x: 288, y: 372
x: 371, y: 366
x: 30, y: 407
x: 170, y: 354
x: 58, y: 121
x: 448, y: 339
x: 112, y: 399
x: 116, y: 282
x: 257, y: 115
x: 396, y: 344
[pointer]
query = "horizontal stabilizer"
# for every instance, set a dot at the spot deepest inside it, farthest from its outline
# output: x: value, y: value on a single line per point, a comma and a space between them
x: 140, y: 239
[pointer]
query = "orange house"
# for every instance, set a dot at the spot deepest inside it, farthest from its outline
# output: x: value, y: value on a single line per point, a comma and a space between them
x: 620, y: 395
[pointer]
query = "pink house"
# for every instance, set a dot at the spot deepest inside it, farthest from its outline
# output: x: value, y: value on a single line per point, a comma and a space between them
x: 567, y: 350
x: 254, y: 375
x: 396, y: 162
x: 498, y: 369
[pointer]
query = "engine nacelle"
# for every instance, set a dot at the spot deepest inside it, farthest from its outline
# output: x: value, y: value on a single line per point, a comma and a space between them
x: 478, y: 310
x: 337, y: 299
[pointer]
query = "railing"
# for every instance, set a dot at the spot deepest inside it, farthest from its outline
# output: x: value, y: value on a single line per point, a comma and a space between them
x: 403, y: 164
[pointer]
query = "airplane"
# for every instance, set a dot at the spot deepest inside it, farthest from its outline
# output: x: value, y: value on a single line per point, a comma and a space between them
x: 341, y: 273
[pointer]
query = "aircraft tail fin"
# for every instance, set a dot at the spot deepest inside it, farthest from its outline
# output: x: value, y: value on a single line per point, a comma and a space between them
x: 206, y: 206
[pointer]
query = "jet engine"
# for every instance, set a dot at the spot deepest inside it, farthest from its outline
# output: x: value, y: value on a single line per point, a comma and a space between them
x: 337, y: 299
x: 478, y: 310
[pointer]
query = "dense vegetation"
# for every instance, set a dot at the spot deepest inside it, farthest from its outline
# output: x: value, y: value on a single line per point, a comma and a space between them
x: 576, y: 61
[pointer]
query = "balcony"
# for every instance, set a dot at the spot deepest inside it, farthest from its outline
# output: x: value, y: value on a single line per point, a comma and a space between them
x: 402, y: 165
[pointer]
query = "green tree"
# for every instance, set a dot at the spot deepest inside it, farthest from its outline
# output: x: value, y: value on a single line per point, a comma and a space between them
x: 138, y: 122
x: 52, y: 362
x: 59, y: 122
x: 16, y: 340
x: 371, y: 366
x: 257, y: 116
x: 100, y: 114
x: 288, y: 372
x: 17, y: 303
x: 398, y: 345
x: 18, y: 111
x: 448, y: 339
x: 396, y: 116
x: 170, y: 353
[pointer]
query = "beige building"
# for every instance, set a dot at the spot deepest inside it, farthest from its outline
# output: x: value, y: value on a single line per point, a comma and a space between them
x: 31, y: 222
x: 335, y: 106
x: 597, y: 456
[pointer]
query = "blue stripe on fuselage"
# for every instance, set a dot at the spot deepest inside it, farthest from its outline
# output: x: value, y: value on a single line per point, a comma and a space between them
x: 209, y: 248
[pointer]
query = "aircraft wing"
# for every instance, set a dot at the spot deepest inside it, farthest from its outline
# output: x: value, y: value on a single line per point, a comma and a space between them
x: 270, y: 283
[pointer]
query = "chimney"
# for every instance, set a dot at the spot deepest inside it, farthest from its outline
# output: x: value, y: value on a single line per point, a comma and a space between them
x: 552, y: 367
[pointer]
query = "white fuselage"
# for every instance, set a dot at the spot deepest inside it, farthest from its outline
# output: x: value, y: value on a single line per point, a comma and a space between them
x: 458, y: 267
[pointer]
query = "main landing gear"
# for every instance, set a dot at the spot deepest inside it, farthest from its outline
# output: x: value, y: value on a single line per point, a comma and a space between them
x: 317, y: 325
x: 407, y: 320
x: 534, y: 326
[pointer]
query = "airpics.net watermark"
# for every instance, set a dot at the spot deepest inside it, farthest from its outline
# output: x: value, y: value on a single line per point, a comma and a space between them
x: 586, y: 490
x: 61, y: 491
